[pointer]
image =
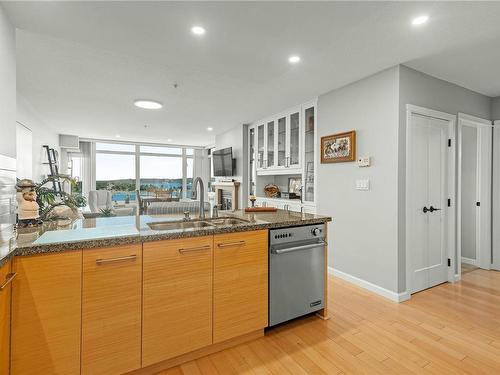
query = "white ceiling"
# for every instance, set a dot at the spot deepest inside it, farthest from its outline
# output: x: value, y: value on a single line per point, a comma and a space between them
x: 81, y: 64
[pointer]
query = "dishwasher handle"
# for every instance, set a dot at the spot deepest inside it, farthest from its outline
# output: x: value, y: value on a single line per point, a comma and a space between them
x: 298, y: 248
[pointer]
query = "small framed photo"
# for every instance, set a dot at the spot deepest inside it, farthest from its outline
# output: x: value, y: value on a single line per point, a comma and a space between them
x: 294, y: 185
x: 338, y: 148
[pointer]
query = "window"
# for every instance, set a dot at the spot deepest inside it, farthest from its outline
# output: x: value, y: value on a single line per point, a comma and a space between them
x: 75, y: 170
x: 116, y: 172
x: 162, y: 171
x: 161, y: 176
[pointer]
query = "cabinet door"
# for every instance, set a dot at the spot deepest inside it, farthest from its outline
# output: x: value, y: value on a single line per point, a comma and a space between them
x: 270, y: 132
x: 260, y: 146
x: 240, y: 283
x: 6, y: 278
x: 294, y: 141
x: 46, y: 314
x: 308, y: 186
x: 177, y: 290
x: 252, y: 161
x: 281, y: 146
x: 111, y: 310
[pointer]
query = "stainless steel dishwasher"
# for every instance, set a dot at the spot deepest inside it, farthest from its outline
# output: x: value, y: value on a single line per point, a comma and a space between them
x: 296, y: 272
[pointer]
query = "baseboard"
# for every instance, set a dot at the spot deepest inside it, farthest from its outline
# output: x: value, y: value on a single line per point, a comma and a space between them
x: 393, y: 296
x: 470, y: 261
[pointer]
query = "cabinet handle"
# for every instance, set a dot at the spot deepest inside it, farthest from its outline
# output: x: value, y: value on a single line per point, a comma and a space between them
x: 8, y: 279
x: 112, y: 260
x: 231, y: 244
x: 287, y: 164
x: 192, y: 249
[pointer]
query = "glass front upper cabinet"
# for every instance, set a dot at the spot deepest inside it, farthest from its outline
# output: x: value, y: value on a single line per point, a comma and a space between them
x: 282, y: 142
x: 309, y: 158
x: 260, y: 146
x: 270, y: 144
x: 252, y: 160
x: 294, y: 141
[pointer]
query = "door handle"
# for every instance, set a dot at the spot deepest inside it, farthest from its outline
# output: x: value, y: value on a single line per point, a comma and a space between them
x: 432, y: 209
x: 425, y: 209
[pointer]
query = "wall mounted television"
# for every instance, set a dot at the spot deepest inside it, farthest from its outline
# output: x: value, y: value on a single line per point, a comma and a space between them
x: 223, y: 162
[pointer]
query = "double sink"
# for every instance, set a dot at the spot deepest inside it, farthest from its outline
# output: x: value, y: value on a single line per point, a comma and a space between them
x: 196, y: 224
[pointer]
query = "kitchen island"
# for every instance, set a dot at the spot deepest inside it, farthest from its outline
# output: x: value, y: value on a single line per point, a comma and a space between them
x: 138, y: 294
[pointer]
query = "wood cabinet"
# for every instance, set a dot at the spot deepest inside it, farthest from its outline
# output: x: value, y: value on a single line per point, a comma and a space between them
x: 6, y: 277
x: 46, y: 314
x: 177, y: 297
x: 111, y: 310
x: 240, y: 284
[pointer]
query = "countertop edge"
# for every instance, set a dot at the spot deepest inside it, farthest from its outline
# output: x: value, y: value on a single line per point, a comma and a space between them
x: 150, y: 237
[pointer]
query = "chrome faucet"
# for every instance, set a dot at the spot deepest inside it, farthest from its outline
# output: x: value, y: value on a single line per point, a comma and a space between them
x: 202, y: 195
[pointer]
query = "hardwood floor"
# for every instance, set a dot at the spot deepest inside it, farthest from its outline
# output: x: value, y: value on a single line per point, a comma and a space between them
x: 466, y: 268
x: 449, y: 329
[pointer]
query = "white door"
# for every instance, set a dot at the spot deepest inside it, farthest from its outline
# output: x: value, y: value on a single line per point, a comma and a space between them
x: 428, y: 175
x: 474, y: 190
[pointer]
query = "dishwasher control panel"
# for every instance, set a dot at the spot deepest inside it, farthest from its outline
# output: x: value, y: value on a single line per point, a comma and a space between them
x: 294, y: 234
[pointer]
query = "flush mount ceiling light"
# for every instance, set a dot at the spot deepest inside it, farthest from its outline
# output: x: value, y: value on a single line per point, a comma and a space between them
x: 198, y: 30
x: 420, y: 20
x: 210, y: 129
x: 294, y: 59
x: 147, y: 104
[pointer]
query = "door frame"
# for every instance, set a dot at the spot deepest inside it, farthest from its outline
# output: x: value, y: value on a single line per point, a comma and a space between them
x: 453, y: 275
x: 496, y: 197
x: 483, y: 240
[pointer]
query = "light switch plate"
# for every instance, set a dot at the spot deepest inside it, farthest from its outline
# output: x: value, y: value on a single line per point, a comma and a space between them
x: 363, y: 184
x: 364, y: 161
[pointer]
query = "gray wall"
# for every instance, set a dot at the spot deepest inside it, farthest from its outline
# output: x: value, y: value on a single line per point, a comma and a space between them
x: 363, y: 235
x: 495, y: 108
x: 237, y: 138
x: 423, y: 90
x: 7, y: 86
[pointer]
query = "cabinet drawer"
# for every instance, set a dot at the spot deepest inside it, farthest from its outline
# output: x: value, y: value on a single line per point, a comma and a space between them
x: 46, y: 314
x: 5, y: 284
x: 240, y: 283
x: 111, y: 310
x: 177, y: 309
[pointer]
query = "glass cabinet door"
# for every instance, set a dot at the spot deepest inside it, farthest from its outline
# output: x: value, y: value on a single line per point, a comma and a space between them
x: 309, y: 132
x: 251, y: 142
x: 294, y: 156
x: 260, y: 146
x: 282, y: 142
x: 270, y: 144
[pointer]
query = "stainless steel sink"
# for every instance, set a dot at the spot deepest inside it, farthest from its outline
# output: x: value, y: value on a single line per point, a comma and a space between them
x: 179, y: 225
x: 220, y: 221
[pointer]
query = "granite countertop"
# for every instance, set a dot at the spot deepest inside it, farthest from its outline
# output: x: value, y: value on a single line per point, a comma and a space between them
x: 111, y: 231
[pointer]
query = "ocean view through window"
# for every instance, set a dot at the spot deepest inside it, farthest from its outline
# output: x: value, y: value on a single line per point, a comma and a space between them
x: 156, y: 171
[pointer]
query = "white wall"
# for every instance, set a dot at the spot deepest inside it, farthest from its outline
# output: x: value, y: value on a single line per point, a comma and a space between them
x: 423, y: 90
x: 364, y: 232
x: 495, y: 108
x: 42, y: 135
x: 237, y: 138
x: 7, y: 86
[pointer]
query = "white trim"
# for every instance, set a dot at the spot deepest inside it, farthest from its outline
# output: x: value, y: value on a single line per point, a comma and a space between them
x: 496, y: 195
x: 386, y: 293
x: 470, y: 261
x: 483, y: 193
x: 452, y: 213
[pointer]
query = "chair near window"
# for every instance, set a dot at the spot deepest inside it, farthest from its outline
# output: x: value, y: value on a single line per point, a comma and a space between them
x: 100, y: 200
x: 162, y: 193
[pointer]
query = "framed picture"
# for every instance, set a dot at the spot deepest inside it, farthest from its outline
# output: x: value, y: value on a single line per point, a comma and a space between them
x: 339, y: 147
x: 294, y: 185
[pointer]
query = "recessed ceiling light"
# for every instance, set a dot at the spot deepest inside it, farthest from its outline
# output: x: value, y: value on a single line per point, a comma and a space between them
x: 420, y: 20
x: 169, y: 140
x: 198, y: 30
x: 294, y: 59
x: 118, y: 136
x: 210, y: 129
x: 148, y: 104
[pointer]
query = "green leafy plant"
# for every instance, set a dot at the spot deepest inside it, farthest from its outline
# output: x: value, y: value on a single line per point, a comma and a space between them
x: 48, y: 198
x: 107, y: 212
